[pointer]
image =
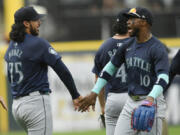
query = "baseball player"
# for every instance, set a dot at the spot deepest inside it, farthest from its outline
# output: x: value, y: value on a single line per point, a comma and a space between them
x: 174, y: 68
x: 3, y: 103
x: 28, y: 58
x: 116, y: 87
x: 147, y: 68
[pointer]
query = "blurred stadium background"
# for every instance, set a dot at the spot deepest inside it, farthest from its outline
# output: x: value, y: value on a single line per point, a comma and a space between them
x: 76, y: 28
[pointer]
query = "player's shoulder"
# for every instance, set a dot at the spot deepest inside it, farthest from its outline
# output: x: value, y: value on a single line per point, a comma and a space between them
x: 111, y: 43
x: 157, y: 42
x: 157, y: 48
x: 105, y: 46
x: 157, y: 45
x: 107, y: 43
x: 128, y: 42
x: 35, y: 41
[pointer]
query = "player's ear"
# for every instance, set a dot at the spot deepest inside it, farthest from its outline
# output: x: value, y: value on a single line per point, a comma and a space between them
x: 26, y: 24
x: 144, y: 22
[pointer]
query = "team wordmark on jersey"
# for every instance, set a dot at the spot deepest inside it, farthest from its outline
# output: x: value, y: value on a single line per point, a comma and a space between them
x: 138, y: 62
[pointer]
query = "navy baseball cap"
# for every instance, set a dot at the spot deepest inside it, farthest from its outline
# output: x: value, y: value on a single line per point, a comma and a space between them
x: 120, y: 17
x: 141, y: 13
x: 27, y: 14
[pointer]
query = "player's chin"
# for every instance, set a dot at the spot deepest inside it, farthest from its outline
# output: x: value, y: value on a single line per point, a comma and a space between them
x: 131, y: 34
x: 37, y: 32
x: 130, y: 31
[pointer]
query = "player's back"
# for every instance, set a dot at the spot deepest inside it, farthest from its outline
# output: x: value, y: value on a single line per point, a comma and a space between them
x: 117, y: 84
x: 26, y: 71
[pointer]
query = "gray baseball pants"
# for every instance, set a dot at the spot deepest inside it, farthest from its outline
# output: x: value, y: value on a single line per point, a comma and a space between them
x: 113, y: 108
x: 33, y: 113
x: 123, y: 126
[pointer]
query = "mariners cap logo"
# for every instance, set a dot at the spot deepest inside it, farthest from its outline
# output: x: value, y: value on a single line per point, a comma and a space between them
x: 132, y: 10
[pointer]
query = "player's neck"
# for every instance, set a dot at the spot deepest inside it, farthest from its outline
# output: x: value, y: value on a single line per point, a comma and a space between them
x: 27, y: 31
x: 143, y: 36
x: 118, y: 36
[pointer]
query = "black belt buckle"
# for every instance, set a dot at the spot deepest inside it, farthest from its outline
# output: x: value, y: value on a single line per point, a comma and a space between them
x: 20, y: 96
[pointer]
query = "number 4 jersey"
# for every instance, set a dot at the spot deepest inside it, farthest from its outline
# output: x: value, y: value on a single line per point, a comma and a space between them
x: 144, y: 62
x: 118, y: 83
x: 27, y: 65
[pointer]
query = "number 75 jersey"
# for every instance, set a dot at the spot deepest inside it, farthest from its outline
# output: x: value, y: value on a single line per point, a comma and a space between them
x: 144, y: 62
x: 27, y: 65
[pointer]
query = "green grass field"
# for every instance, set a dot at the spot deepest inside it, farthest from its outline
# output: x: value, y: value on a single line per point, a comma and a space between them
x: 173, y: 130
x: 99, y: 132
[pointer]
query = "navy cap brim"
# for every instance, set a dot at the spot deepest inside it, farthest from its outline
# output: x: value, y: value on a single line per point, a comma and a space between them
x: 131, y: 15
x: 40, y: 16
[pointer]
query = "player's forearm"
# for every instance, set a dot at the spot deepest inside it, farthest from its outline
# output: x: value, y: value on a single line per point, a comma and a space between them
x: 159, y: 86
x: 66, y: 77
x: 101, y: 98
x: 104, y: 77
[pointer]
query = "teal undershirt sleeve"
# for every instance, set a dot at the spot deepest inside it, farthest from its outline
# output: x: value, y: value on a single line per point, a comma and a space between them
x: 109, y: 68
x: 158, y: 89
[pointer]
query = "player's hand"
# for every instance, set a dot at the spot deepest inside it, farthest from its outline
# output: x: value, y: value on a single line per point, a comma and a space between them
x: 76, y: 102
x: 3, y: 103
x: 88, y: 101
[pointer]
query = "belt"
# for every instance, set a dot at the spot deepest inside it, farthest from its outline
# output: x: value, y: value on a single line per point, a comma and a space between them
x: 137, y: 97
x: 34, y: 93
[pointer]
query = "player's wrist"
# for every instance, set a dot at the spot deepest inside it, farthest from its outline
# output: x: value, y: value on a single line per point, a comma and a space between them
x: 94, y: 94
x: 150, y: 99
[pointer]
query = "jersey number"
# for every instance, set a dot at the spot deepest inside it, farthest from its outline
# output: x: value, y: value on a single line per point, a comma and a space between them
x: 14, y: 70
x: 144, y: 80
x: 121, y: 73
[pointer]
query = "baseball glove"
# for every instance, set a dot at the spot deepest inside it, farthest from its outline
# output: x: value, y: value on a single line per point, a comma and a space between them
x: 102, y: 121
x: 143, y: 117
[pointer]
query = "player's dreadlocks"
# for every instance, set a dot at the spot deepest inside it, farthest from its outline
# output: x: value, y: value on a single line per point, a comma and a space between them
x: 17, y: 33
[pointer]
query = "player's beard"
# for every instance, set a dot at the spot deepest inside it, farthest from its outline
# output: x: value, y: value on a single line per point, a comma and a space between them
x: 33, y: 31
x: 135, y: 32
